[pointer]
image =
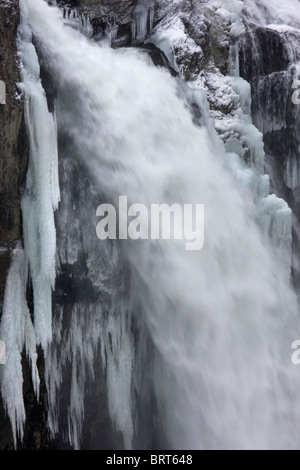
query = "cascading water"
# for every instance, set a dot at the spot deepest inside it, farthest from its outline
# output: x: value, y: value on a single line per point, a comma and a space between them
x: 195, y: 345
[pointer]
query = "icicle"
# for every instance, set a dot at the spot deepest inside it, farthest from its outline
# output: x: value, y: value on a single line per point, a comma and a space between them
x: 79, y: 21
x: 40, y: 199
x: 152, y: 11
x: 242, y: 323
x: 143, y: 12
x: 245, y: 160
x: 116, y: 338
x: 234, y: 64
x: 133, y: 29
x: 275, y: 220
x: 41, y: 196
x: 18, y: 333
x: 113, y: 34
x: 292, y: 173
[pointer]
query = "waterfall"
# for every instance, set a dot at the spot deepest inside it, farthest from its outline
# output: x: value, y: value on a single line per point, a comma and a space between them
x: 194, y: 345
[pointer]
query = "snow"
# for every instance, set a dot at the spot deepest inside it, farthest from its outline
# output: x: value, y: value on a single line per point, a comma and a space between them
x: 282, y: 28
x: 231, y: 10
x: 277, y: 12
x: 171, y: 36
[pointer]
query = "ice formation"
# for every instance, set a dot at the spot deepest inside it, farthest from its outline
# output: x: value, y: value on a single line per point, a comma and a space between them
x: 210, y: 331
x: 39, y: 201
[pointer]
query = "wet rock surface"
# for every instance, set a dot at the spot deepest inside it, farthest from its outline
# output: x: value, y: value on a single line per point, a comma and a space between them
x: 13, y: 141
x: 268, y: 61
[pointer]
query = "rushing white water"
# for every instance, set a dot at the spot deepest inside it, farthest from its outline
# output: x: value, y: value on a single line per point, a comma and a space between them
x: 222, y: 320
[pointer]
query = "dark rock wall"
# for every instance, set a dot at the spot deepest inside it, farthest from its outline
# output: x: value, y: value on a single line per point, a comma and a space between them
x: 14, y: 152
x: 13, y: 160
x: 106, y: 14
x: 13, y: 141
x: 268, y: 61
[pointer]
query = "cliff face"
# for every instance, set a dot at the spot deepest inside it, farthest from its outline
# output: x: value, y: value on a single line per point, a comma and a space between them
x: 13, y: 142
x: 195, y: 40
x: 269, y: 58
x: 13, y: 159
x: 189, y: 37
